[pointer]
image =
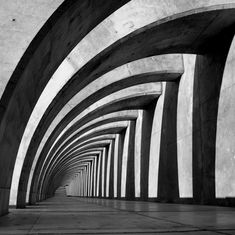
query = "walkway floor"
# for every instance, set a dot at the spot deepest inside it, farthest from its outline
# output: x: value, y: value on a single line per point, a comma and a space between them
x: 71, y: 215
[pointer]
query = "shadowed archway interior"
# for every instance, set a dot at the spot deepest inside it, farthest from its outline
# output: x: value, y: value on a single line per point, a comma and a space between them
x: 114, y: 111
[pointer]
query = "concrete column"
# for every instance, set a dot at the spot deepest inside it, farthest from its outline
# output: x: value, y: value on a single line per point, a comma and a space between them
x: 111, y: 174
x: 124, y: 162
x: 115, y: 166
x: 68, y: 190
x: 108, y: 162
x: 75, y: 187
x: 168, y: 189
x: 82, y: 183
x: 120, y: 146
x: 209, y: 70
x: 77, y: 182
x: 21, y: 203
x: 155, y: 146
x: 147, y: 123
x: 103, y: 172
x: 104, y: 192
x: 184, y: 127
x: 94, y: 194
x: 138, y: 140
x: 99, y: 175
x: 86, y: 181
x: 128, y: 174
x: 72, y: 188
x: 225, y: 148
x: 91, y: 178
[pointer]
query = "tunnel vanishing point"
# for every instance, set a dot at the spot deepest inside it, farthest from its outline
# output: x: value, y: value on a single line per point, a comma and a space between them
x: 117, y: 99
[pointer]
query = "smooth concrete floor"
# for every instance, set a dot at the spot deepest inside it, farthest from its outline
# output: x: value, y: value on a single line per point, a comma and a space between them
x: 73, y: 215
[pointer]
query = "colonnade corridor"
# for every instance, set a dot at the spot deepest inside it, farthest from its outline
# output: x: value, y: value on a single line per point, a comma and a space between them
x: 117, y: 117
x: 77, y: 215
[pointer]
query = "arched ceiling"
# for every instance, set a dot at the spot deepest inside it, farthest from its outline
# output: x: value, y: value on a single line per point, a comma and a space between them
x: 87, y: 73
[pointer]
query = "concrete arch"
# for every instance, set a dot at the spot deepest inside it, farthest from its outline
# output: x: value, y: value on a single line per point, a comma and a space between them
x: 107, y: 188
x: 147, y: 77
x: 64, y: 169
x: 80, y: 141
x: 194, y: 35
x: 72, y: 155
x: 41, y: 47
x: 136, y: 94
x: 121, y: 115
x: 89, y: 149
x: 100, y: 129
x: 151, y: 76
x: 215, y: 32
x: 145, y: 20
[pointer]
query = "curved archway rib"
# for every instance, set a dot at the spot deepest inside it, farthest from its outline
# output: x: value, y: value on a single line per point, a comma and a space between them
x: 99, y: 131
x: 73, y: 17
x: 215, y: 20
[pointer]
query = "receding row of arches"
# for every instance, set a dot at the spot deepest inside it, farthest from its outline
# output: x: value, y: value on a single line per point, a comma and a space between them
x: 136, y: 117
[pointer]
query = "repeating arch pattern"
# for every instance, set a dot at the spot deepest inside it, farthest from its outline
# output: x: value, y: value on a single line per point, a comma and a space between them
x: 95, y: 105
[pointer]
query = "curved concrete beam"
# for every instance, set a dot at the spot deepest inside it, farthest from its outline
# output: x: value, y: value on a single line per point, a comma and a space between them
x: 57, y: 181
x: 11, y: 132
x: 221, y: 19
x: 134, y: 42
x: 73, y: 155
x: 135, y: 91
x: 136, y: 102
x: 90, y: 133
x: 161, y: 63
x: 148, y: 77
x: 110, y: 99
x: 67, y: 154
x: 189, y: 30
x: 99, y: 144
x: 67, y: 167
x: 73, y: 17
x: 75, y: 160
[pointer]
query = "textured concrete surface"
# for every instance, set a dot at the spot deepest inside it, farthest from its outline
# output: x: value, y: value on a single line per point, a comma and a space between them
x: 134, y: 91
x: 184, y: 128
x: 168, y: 186
x: 225, y: 149
x: 188, y: 138
x: 155, y: 146
x: 147, y: 65
x: 209, y: 70
x: 133, y: 41
x: 72, y: 215
x: 20, y: 22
